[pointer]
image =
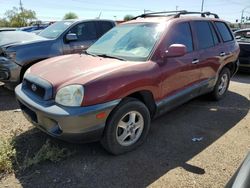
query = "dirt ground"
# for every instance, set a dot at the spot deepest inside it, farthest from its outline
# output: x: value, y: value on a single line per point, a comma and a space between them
x: 168, y: 158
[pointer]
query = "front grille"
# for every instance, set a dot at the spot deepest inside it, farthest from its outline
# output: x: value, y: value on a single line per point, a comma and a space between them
x: 34, y: 88
x: 37, y: 87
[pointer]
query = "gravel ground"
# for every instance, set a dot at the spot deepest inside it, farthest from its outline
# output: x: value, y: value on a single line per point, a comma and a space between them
x: 168, y: 158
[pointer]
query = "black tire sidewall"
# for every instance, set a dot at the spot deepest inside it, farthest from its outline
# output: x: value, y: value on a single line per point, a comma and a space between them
x: 216, y: 94
x: 109, y: 140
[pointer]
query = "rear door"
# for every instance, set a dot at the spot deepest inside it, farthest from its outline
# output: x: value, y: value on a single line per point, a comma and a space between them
x: 229, y: 51
x: 179, y: 74
x: 208, y: 44
x: 86, y: 35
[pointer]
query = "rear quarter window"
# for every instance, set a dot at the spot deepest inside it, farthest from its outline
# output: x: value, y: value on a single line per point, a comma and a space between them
x: 224, y: 31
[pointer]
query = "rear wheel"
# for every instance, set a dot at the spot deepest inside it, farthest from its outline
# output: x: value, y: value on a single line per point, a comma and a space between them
x: 222, y: 84
x: 127, y: 127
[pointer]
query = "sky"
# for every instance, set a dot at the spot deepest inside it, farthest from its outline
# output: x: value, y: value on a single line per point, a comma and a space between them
x: 48, y: 10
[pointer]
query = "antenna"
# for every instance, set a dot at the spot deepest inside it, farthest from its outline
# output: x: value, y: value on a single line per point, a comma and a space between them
x: 99, y: 15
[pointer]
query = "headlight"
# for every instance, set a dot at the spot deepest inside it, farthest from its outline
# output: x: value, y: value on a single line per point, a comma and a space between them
x: 11, y: 55
x: 71, y: 95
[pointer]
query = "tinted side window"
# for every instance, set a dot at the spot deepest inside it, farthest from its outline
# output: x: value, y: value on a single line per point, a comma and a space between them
x: 215, y: 36
x: 105, y: 26
x: 224, y: 31
x: 181, y: 34
x: 204, y: 34
x: 85, y: 31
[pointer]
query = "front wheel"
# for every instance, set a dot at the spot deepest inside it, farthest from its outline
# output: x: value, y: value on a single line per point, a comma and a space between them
x: 127, y: 127
x: 222, y: 84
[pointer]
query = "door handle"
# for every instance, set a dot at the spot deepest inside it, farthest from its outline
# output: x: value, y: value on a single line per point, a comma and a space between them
x: 222, y: 54
x: 195, y: 61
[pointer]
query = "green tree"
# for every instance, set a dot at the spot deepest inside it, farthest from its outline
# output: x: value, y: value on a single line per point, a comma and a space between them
x: 19, y: 18
x: 70, y: 15
x: 4, y: 22
x: 128, y: 17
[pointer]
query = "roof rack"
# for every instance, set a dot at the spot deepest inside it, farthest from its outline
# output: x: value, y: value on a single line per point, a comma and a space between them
x: 203, y: 14
x: 158, y: 14
x: 176, y: 14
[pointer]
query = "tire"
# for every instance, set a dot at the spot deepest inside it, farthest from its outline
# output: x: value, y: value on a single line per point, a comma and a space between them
x: 221, y: 87
x: 127, y: 127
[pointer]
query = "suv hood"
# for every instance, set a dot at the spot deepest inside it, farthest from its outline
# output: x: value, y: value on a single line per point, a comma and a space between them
x: 8, y: 38
x: 77, y: 69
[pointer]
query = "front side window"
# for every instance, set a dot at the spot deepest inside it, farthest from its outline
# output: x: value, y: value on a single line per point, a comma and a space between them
x: 85, y: 31
x: 224, y: 31
x: 180, y: 34
x: 204, y: 35
x: 129, y: 41
x: 56, y: 29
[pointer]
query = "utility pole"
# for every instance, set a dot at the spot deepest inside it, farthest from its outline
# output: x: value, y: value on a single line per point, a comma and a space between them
x: 21, y: 5
x: 202, y: 4
x: 242, y: 14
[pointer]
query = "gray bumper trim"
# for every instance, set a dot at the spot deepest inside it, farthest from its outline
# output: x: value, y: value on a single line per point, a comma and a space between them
x: 67, y: 123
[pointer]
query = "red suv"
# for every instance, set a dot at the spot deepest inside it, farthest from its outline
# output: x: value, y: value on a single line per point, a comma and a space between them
x: 136, y: 71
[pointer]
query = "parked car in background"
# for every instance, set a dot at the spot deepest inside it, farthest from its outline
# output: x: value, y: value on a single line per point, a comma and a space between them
x: 7, y: 29
x: 33, y: 28
x: 63, y: 37
x: 241, y: 178
x: 243, y: 38
x: 135, y: 72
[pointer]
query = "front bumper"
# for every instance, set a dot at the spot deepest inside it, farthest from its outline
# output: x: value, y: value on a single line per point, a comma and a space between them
x: 74, y: 124
x: 9, y: 72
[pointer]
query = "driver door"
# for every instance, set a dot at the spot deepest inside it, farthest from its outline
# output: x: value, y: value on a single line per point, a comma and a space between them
x: 180, y: 75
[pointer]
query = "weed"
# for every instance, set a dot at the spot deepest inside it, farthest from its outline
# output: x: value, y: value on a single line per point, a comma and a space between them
x: 7, y: 154
x: 47, y: 152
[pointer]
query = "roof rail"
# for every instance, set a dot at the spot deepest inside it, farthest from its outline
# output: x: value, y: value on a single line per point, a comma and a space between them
x: 156, y: 14
x: 176, y: 14
x: 203, y: 14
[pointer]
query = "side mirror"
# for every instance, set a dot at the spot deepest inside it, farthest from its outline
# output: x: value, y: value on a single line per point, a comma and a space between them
x: 176, y: 50
x: 71, y: 37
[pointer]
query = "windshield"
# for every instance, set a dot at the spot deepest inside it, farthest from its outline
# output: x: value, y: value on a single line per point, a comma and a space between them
x: 130, y: 41
x: 243, y: 36
x: 55, y: 30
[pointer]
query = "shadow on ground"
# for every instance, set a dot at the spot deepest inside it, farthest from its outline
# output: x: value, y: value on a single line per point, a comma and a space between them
x: 169, y: 145
x: 7, y: 99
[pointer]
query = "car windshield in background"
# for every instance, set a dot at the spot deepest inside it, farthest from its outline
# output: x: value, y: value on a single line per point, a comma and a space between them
x: 55, y: 30
x: 243, y: 36
x: 130, y: 42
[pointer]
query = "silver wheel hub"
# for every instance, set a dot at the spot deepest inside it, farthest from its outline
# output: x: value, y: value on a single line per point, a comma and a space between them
x: 129, y: 128
x: 223, y: 84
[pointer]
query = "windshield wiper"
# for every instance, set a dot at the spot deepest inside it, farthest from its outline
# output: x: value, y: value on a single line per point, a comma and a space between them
x: 110, y: 56
x: 87, y: 53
